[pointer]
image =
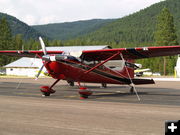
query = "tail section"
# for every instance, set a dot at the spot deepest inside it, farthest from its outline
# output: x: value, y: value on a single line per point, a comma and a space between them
x: 129, y: 69
x: 143, y: 81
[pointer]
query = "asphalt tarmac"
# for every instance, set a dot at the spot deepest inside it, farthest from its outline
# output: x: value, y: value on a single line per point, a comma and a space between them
x: 109, y: 111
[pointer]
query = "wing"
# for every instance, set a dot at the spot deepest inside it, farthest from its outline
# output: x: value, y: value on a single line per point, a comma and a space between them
x: 131, y: 53
x: 31, y: 54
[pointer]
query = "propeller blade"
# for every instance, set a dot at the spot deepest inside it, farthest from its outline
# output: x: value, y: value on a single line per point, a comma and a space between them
x: 43, y: 46
x: 37, y: 76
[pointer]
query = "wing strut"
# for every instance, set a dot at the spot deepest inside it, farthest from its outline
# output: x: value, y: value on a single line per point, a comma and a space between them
x: 102, y: 62
x: 132, y: 84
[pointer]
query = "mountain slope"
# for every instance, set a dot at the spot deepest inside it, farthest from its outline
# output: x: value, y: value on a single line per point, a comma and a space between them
x: 69, y: 30
x: 136, y: 28
x: 18, y: 27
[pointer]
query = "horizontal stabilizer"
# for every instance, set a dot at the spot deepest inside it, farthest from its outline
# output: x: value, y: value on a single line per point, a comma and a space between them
x: 143, y: 81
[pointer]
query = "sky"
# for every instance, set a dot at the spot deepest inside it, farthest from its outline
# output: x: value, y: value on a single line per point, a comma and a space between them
x: 36, y: 12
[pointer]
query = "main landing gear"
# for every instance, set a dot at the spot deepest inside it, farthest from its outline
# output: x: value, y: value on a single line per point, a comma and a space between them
x: 47, y: 91
x: 84, y: 92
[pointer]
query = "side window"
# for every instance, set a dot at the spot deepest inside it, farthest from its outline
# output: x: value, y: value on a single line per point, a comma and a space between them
x: 115, y: 64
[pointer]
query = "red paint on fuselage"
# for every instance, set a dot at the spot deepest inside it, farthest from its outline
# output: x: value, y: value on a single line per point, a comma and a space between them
x: 76, y: 73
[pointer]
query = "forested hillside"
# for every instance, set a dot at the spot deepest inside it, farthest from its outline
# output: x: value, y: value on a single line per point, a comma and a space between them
x: 136, y: 28
x: 18, y: 27
x: 70, y: 30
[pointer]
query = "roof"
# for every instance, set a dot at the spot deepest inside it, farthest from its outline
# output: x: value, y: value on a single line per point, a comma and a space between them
x: 25, y: 62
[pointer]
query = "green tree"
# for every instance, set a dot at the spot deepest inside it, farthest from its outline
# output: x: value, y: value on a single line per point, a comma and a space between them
x: 6, y: 41
x: 5, y: 35
x: 165, y: 35
x: 18, y: 41
x: 165, y: 29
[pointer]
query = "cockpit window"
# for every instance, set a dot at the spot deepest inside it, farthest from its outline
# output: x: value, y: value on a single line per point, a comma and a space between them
x: 72, y: 58
x: 115, y: 64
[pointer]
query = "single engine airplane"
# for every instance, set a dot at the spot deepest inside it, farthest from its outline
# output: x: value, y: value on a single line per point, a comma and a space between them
x: 88, y: 65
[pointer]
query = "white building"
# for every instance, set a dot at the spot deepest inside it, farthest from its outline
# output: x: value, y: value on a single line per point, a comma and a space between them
x: 177, y: 68
x: 30, y: 66
x: 24, y: 67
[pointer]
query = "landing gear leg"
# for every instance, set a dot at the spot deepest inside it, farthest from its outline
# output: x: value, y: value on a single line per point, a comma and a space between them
x: 132, y: 90
x: 46, y: 90
x: 84, y: 92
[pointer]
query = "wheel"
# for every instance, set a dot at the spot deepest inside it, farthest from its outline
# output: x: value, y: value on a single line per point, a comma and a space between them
x: 132, y: 90
x: 84, y: 92
x: 46, y: 94
x: 71, y: 83
x: 83, y: 96
x: 46, y: 91
x: 104, y: 85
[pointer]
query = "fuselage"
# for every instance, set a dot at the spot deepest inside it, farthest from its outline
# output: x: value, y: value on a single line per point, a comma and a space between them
x: 76, y: 71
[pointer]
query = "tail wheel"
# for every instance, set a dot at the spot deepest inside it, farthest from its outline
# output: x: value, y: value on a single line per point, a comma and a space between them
x: 104, y: 85
x: 132, y: 90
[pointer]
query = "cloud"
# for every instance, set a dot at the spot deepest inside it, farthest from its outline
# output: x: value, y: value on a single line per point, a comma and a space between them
x: 30, y: 19
x: 48, y: 19
x: 47, y: 11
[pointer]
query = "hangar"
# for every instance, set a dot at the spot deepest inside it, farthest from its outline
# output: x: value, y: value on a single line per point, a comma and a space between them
x: 24, y: 67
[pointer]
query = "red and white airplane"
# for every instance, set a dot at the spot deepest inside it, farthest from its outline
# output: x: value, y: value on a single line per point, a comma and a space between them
x: 61, y: 65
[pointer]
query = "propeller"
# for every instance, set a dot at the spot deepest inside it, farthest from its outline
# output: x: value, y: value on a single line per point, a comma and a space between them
x: 43, y: 46
x: 37, y: 76
x: 45, y: 53
x: 19, y: 83
x: 47, y: 57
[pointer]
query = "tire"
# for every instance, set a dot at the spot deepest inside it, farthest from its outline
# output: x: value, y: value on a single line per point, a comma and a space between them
x: 104, y: 85
x: 46, y: 94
